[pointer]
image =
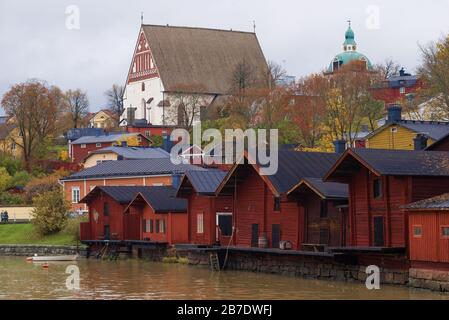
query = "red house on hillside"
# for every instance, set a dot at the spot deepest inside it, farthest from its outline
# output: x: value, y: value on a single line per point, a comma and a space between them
x: 380, y: 182
x: 81, y: 147
x: 264, y: 214
x: 210, y: 216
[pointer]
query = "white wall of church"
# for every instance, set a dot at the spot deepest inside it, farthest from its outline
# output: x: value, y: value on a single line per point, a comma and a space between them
x: 134, y: 97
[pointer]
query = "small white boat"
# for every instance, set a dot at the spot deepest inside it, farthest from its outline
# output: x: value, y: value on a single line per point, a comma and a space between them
x: 53, y: 258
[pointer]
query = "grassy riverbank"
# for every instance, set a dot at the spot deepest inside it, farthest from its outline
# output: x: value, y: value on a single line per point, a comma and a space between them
x: 25, y: 234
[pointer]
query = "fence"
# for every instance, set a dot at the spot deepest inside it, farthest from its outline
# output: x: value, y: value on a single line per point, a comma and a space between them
x: 17, y: 213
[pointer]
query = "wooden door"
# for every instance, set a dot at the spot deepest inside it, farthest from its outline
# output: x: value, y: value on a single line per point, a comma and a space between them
x: 379, y: 232
x: 254, y: 235
x: 275, y: 235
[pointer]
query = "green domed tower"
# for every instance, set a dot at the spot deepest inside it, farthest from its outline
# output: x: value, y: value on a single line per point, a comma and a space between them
x: 349, y: 53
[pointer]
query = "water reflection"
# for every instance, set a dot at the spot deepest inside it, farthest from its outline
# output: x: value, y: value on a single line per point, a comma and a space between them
x: 134, y: 279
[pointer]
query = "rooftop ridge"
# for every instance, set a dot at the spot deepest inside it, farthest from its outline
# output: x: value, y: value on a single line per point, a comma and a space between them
x: 197, y: 28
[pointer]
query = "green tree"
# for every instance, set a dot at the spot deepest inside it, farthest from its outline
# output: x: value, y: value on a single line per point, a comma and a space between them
x: 50, y: 212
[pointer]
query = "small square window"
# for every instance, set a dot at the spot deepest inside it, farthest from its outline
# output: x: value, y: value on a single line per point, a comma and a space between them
x: 147, y: 133
x: 98, y: 145
x: 417, y: 231
x: 401, y: 90
x: 83, y: 146
x: 445, y: 232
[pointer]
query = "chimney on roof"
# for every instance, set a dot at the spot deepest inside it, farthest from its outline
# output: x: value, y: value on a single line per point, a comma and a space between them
x: 402, y: 72
x: 166, y: 142
x: 394, y: 113
x: 339, y: 146
x: 420, y: 141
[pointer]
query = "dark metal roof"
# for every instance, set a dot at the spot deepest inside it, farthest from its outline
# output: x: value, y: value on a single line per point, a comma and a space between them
x: 437, y: 143
x: 135, y: 152
x: 402, y: 162
x: 121, y: 194
x: 163, y: 199
x: 110, y: 137
x: 293, y: 166
x: 434, y: 129
x: 127, y: 168
x: 206, y: 182
x: 77, y: 133
x: 332, y: 190
x: 440, y: 202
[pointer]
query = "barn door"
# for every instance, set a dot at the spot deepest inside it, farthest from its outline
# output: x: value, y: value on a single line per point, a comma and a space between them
x: 379, y: 232
x: 254, y: 235
x: 275, y: 235
x: 107, y: 232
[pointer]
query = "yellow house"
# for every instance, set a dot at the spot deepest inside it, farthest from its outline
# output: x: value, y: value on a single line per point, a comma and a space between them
x: 102, y: 119
x: 400, y: 134
x: 407, y: 135
x: 124, y: 153
x: 8, y: 137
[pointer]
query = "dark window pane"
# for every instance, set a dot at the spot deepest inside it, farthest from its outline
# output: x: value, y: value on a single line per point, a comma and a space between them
x: 225, y: 224
x: 106, y: 209
x: 323, y: 209
x: 377, y: 188
x: 277, y: 204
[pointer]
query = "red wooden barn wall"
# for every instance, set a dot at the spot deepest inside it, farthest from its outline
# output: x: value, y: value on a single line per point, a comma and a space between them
x: 397, y: 191
x: 208, y: 206
x: 255, y: 205
x: 176, y: 225
x: 431, y: 246
x: 115, y: 220
x: 311, y: 203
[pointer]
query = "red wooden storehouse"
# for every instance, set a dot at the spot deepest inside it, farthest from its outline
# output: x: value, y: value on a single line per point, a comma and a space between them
x: 380, y: 182
x: 162, y: 217
x: 264, y: 213
x: 325, y: 212
x: 106, y: 214
x: 429, y: 233
x: 210, y: 216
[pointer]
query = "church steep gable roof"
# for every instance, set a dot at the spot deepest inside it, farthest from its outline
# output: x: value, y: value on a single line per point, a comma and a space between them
x: 204, y: 59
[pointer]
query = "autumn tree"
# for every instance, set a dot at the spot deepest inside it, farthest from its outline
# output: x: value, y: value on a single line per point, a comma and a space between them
x: 114, y: 98
x: 308, y: 109
x: 77, y: 106
x: 35, y: 108
x: 434, y: 72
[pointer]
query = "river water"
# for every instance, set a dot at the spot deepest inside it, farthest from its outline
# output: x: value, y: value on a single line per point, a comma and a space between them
x: 137, y: 279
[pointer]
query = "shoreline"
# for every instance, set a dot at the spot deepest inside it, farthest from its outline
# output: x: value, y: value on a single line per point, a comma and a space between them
x: 287, y: 264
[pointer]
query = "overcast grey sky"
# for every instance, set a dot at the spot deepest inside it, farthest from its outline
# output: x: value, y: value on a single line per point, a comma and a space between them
x: 302, y: 35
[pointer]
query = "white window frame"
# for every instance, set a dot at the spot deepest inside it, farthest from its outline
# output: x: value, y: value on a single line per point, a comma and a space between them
x: 98, y: 144
x: 76, y: 194
x: 200, y: 223
x: 83, y: 146
x: 162, y: 226
x: 402, y: 90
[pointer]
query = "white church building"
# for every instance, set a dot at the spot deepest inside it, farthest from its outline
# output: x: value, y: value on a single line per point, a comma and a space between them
x: 171, y: 61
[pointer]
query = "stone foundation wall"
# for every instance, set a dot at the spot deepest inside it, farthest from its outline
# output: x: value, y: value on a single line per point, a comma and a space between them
x: 429, y: 279
x: 298, y: 266
x: 30, y: 250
